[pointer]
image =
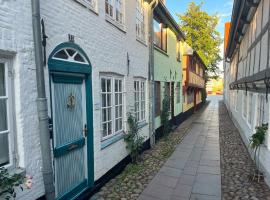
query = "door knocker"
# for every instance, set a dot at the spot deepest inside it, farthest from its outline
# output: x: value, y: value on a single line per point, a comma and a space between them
x: 71, y: 101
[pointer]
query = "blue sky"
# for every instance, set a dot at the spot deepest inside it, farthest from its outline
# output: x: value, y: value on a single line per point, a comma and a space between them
x: 222, y: 7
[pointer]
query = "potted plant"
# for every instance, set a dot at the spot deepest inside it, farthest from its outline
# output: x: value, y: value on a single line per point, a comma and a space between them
x: 256, y: 140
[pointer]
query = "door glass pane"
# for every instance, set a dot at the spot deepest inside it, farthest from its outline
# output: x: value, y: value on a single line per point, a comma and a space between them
x: 3, y: 115
x: 4, y: 151
x: 2, y: 80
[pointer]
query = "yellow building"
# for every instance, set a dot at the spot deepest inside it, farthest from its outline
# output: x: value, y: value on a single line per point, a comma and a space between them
x: 215, y: 86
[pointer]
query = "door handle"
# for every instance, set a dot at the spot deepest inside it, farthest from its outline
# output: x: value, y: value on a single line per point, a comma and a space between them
x: 85, y: 130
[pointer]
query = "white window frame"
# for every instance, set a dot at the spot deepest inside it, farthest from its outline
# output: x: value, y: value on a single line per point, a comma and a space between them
x: 10, y: 112
x: 90, y: 4
x: 112, y: 78
x: 142, y: 100
x: 112, y: 19
x: 140, y: 21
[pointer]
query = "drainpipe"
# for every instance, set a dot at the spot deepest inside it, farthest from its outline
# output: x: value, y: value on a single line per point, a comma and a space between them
x: 152, y: 6
x: 42, y: 105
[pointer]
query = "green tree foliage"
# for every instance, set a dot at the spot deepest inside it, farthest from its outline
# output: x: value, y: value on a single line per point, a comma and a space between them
x: 201, y: 33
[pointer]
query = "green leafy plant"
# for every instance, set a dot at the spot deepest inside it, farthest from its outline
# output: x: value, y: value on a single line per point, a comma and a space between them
x: 256, y: 140
x: 8, y: 183
x: 133, y: 139
x: 165, y: 113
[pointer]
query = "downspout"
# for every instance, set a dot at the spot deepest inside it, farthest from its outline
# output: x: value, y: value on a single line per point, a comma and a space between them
x: 42, y: 108
x: 152, y: 6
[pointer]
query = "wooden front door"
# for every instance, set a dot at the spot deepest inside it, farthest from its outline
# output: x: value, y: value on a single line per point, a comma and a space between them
x: 70, y: 135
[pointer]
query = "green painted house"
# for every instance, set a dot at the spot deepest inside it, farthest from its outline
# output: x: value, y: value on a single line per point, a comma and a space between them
x: 168, y: 40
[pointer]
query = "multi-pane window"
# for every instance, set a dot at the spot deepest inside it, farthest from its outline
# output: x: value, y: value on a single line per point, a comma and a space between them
x: 250, y: 107
x: 115, y: 10
x: 109, y: 7
x: 139, y: 93
x: 92, y: 4
x: 112, y: 105
x: 262, y: 112
x: 157, y: 98
x: 160, y: 35
x: 4, y: 117
x: 118, y: 89
x: 244, y: 105
x: 140, y: 21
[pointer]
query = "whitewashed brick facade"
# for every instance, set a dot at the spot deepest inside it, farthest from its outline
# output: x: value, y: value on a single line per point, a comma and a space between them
x: 106, y: 46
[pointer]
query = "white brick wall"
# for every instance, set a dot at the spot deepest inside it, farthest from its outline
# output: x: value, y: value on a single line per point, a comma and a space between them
x: 16, y: 43
x: 106, y: 47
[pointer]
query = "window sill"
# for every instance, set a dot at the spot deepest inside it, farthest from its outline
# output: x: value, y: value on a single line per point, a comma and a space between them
x: 142, y: 124
x: 113, y: 139
x: 112, y: 21
x: 143, y: 42
x: 161, y: 51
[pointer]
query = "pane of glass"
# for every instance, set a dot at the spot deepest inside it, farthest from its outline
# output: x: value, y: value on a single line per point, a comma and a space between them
x: 104, y: 130
x: 108, y: 85
x: 109, y: 114
x: 61, y: 54
x: 120, y: 86
x: 120, y: 99
x: 103, y: 100
x: 120, y: 124
x: 157, y: 33
x: 4, y: 149
x: 120, y: 111
x: 109, y: 99
x: 116, y: 99
x: 109, y: 128
x: 3, y: 115
x: 70, y: 52
x: 2, y: 80
x: 164, y: 39
x: 79, y: 58
x: 116, y: 112
x: 116, y: 125
x: 116, y: 86
x: 103, y: 85
x: 104, y: 115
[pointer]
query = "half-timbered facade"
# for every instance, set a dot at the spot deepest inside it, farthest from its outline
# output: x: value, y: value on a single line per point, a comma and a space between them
x: 247, y: 71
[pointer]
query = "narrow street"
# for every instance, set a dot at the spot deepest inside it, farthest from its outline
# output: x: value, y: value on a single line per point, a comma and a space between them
x: 193, y: 170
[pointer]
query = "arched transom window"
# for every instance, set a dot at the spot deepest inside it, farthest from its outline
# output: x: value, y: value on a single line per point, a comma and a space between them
x: 70, y: 55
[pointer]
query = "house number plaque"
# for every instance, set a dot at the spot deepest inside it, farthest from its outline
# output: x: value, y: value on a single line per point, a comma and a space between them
x: 71, y: 101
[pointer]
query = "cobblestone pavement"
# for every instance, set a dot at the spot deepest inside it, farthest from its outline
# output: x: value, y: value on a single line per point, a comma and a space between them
x: 236, y: 164
x: 193, y: 170
x: 135, y: 178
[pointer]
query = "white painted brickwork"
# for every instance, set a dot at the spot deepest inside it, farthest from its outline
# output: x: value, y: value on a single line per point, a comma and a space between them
x: 106, y: 47
x: 16, y: 43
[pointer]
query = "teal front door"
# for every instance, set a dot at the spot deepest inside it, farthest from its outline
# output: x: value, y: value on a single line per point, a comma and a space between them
x: 70, y: 134
x: 72, y: 115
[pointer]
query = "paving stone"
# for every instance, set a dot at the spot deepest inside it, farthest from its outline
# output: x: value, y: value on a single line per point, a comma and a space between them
x: 182, y: 191
x: 208, y: 169
x: 186, y: 179
x: 158, y: 192
x: 206, y: 189
x: 204, y: 197
x: 209, y: 179
x: 168, y: 171
x: 167, y: 181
